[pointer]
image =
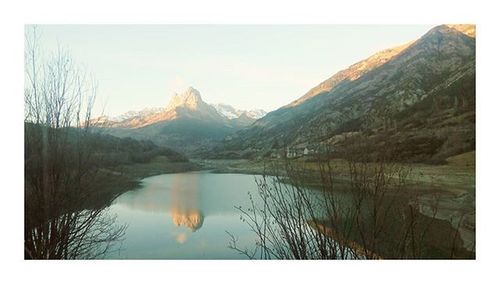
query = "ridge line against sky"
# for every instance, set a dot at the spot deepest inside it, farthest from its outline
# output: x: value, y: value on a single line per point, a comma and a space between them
x: 246, y: 66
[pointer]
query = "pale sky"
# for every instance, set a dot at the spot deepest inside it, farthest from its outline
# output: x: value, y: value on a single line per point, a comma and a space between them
x: 247, y: 66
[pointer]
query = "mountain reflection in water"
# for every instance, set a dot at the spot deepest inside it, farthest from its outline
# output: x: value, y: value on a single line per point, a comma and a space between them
x: 192, y: 219
x: 179, y: 196
x: 184, y: 216
x: 185, y: 203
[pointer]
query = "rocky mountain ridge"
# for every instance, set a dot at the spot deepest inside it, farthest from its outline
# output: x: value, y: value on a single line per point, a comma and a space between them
x: 422, y: 93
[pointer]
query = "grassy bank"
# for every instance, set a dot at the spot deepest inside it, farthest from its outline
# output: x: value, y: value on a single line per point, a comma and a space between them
x: 457, y: 176
x: 157, y: 166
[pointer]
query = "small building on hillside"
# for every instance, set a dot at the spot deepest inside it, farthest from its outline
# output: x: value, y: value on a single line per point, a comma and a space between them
x: 300, y: 150
x: 275, y: 155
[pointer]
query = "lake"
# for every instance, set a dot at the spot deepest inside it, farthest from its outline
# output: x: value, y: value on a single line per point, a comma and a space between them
x: 185, y: 216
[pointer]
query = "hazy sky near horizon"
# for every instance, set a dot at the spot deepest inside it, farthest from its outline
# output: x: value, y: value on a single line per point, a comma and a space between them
x: 247, y: 66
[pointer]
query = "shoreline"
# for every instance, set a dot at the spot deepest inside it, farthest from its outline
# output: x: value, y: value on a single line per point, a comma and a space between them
x: 428, y: 180
x: 451, y: 185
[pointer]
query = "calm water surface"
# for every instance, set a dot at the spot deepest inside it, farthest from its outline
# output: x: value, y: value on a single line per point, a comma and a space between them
x: 185, y: 216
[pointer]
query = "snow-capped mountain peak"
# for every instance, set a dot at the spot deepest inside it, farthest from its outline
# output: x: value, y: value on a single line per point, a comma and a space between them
x: 190, y: 99
x: 231, y: 113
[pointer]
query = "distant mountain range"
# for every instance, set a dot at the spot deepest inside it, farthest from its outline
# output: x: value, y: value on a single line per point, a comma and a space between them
x: 417, y: 98
x: 186, y: 124
x: 231, y: 113
x: 190, y: 99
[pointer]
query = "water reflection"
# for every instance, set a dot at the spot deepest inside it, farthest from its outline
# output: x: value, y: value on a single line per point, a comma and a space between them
x: 192, y: 219
x: 184, y: 216
x: 184, y: 205
x: 179, y: 196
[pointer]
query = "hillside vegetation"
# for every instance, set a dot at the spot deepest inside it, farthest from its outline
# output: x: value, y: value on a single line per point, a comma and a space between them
x: 416, y: 101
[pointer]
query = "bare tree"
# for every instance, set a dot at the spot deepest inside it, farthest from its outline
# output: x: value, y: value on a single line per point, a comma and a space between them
x: 373, y: 214
x: 59, y: 169
x: 290, y: 220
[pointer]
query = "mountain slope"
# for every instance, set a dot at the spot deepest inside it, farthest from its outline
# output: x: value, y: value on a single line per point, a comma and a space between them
x: 352, y: 73
x: 422, y: 91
